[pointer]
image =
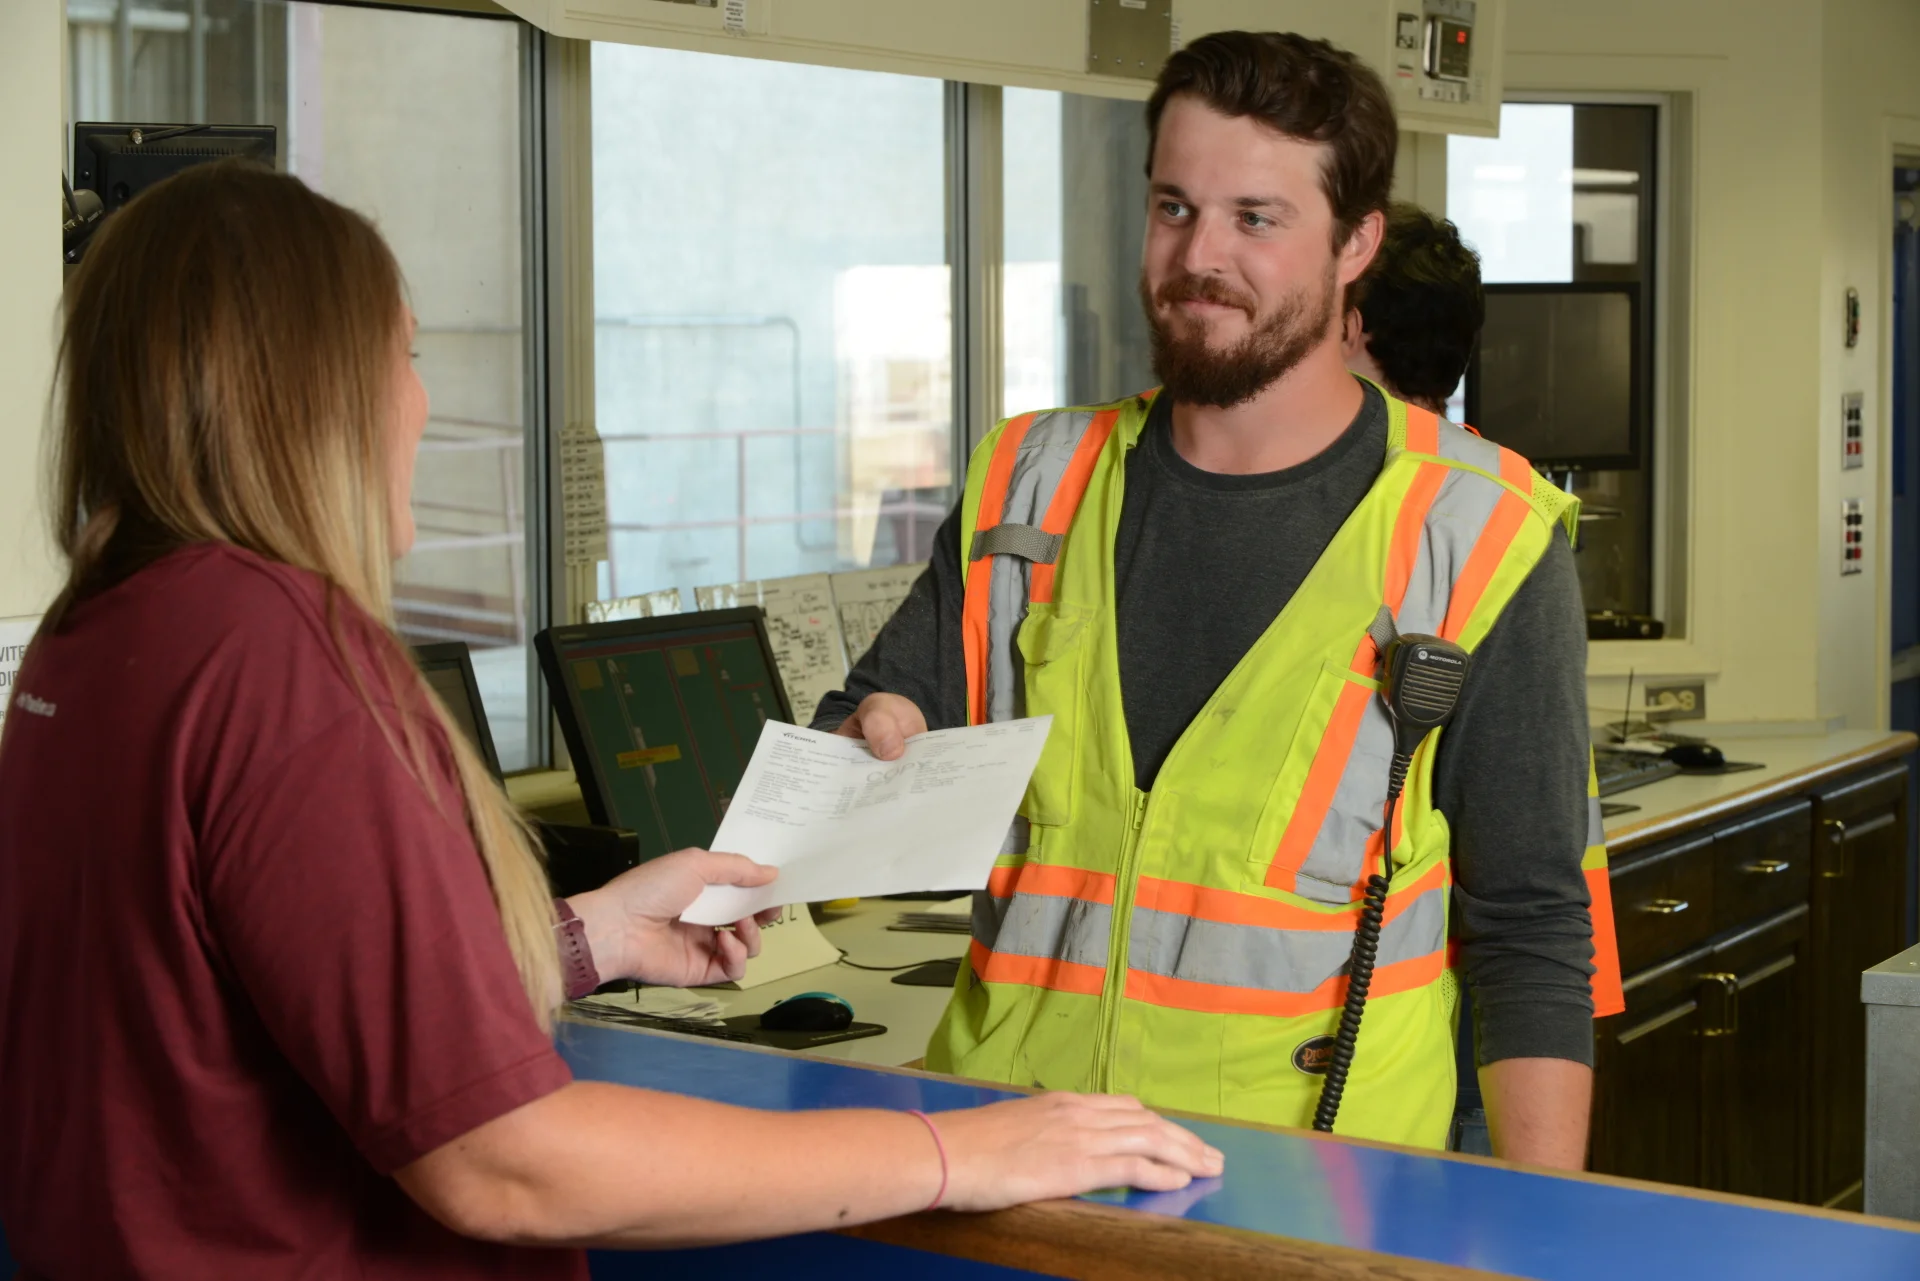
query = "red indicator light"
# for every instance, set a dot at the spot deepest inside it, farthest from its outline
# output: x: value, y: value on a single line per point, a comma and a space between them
x: 1460, y: 37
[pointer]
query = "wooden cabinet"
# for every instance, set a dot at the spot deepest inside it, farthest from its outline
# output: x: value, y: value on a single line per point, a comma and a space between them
x: 1753, y: 1044
x: 1739, y: 1064
x: 1649, y: 1100
x: 1702, y: 1081
x: 1859, y: 920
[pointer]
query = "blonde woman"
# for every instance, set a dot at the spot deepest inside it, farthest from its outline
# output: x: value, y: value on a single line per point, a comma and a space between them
x: 277, y: 963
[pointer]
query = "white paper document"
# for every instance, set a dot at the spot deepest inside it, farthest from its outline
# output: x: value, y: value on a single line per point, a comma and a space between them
x: 840, y: 824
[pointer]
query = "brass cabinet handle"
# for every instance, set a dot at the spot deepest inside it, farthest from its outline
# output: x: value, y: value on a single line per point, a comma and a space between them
x: 1768, y: 866
x: 1665, y: 906
x: 1726, y: 987
x: 1839, y: 860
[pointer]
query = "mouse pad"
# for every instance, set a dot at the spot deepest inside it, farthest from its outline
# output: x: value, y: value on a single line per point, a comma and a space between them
x: 932, y: 974
x: 1726, y: 767
x: 750, y: 1024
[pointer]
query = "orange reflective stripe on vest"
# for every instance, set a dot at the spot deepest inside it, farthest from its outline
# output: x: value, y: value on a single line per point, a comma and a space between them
x: 975, y: 611
x: 1194, y: 947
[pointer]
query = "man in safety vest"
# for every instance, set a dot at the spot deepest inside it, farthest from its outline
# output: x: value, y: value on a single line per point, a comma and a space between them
x: 1185, y: 581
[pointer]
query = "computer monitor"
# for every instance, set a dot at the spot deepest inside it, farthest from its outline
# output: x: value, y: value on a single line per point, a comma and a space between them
x: 661, y: 716
x: 448, y: 668
x: 1560, y: 375
x: 119, y: 161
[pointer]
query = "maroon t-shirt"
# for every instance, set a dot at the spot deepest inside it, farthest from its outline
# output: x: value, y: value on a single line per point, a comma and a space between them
x: 249, y: 964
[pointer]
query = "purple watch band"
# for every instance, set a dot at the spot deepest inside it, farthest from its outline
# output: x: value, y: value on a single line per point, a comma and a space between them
x: 576, y: 958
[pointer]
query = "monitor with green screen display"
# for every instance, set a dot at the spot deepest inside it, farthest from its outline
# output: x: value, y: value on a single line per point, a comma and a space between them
x: 661, y: 716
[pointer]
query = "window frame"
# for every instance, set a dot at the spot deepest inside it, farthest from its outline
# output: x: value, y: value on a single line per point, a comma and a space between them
x: 1669, y: 433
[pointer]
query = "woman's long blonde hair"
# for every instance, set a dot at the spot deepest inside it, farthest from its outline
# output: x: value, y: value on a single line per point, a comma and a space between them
x: 224, y: 376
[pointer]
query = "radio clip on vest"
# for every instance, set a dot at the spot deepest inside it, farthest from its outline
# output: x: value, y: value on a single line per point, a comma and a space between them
x: 1421, y: 679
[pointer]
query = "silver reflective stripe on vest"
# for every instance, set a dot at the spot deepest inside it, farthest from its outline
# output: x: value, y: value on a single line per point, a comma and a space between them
x: 1044, y: 925
x: 1459, y: 513
x: 1596, y: 823
x: 1463, y: 446
x: 1025, y: 541
x: 1038, y: 464
x: 1273, y: 960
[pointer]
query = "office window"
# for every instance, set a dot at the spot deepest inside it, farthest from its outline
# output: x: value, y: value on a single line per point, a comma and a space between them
x: 1567, y: 194
x: 1075, y: 192
x: 414, y: 120
x: 773, y: 354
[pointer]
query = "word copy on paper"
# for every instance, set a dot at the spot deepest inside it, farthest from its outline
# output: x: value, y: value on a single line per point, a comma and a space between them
x: 839, y: 823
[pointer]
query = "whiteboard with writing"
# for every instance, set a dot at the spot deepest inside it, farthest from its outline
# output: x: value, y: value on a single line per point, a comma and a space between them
x: 802, y: 627
x: 645, y: 605
x: 866, y: 599
x: 14, y: 635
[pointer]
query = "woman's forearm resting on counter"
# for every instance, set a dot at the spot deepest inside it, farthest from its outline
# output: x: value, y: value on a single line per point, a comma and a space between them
x: 597, y: 1164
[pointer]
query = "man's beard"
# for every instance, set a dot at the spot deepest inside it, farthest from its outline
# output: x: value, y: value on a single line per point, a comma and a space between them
x: 1195, y: 374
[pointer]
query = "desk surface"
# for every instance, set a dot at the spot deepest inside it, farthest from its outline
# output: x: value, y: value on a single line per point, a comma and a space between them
x: 1673, y: 805
x: 908, y: 1013
x: 1301, y: 1192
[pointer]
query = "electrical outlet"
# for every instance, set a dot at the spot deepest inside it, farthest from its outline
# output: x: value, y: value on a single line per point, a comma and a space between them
x: 1853, y: 534
x: 1852, y: 433
x: 1678, y: 701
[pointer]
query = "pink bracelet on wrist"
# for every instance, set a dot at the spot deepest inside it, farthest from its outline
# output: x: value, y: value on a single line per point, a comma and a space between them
x: 579, y: 974
x: 934, y: 1130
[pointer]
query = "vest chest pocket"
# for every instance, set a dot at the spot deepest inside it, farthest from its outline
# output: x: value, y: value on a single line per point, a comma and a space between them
x: 1328, y: 802
x: 1053, y: 657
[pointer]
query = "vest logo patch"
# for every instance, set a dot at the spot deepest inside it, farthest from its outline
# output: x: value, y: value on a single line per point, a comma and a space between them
x: 1314, y: 1055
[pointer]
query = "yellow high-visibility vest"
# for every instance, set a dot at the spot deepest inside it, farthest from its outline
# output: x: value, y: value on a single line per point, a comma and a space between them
x: 1190, y: 946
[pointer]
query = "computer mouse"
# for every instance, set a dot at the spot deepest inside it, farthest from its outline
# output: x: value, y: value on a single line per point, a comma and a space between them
x: 808, y: 1012
x: 1696, y: 756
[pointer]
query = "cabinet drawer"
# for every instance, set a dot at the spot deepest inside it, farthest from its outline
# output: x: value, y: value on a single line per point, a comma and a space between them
x: 1663, y: 903
x: 1762, y: 866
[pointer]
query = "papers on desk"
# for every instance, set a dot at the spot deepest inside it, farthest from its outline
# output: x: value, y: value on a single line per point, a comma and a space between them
x: 660, y: 1002
x: 839, y: 823
x: 952, y: 917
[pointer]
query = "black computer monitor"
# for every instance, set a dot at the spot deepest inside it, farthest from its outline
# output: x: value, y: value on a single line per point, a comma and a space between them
x: 661, y: 716
x: 1560, y: 375
x: 119, y: 161
x: 448, y: 668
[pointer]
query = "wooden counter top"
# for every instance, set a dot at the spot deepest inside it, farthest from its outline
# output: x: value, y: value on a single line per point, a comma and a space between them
x: 1674, y: 806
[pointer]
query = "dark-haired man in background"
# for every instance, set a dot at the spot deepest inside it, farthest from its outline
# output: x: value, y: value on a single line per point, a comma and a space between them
x: 1185, y: 581
x: 1413, y: 318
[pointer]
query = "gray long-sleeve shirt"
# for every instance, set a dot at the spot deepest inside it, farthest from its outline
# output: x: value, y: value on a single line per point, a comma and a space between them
x: 1203, y: 563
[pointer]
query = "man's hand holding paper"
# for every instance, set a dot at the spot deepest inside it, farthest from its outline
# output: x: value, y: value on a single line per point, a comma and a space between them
x: 840, y: 823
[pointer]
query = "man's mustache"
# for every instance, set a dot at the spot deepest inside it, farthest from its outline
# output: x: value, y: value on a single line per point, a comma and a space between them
x: 1189, y: 288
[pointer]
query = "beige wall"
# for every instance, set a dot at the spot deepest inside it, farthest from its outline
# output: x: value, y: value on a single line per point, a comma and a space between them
x: 1755, y: 402
x: 30, y: 155
x: 1870, y: 50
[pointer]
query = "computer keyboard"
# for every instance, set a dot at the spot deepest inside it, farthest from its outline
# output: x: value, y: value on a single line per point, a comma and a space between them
x: 1618, y: 771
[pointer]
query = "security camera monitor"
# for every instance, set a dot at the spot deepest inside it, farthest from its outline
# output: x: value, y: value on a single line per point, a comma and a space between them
x: 448, y: 668
x: 661, y: 716
x: 118, y: 161
x: 1560, y: 375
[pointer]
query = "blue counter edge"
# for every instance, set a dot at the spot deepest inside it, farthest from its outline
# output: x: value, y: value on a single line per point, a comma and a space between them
x: 1432, y: 1207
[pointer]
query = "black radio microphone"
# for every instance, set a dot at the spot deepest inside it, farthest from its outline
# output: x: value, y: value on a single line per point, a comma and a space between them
x: 1420, y: 683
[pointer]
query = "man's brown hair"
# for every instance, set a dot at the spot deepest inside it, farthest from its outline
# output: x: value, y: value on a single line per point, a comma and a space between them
x: 1305, y: 89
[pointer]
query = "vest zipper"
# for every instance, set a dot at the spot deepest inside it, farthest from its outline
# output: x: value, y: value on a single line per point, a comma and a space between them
x: 1118, y: 934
